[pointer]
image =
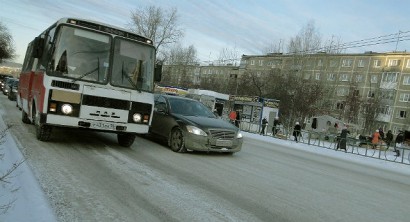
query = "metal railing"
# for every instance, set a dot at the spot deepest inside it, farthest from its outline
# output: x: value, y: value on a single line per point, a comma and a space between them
x: 333, y: 141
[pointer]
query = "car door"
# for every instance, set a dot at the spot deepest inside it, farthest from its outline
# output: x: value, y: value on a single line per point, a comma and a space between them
x: 162, y: 121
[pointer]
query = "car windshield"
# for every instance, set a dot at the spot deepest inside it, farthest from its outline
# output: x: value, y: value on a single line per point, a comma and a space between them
x: 189, y: 108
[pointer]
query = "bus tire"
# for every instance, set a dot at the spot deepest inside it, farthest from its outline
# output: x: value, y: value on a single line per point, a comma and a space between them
x: 125, y: 139
x: 43, y: 132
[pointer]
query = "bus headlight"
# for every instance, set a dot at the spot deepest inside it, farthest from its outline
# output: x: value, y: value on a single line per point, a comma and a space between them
x: 67, y: 109
x: 137, y: 117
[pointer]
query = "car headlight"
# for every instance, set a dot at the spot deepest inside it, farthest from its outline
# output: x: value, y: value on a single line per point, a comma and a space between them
x: 137, y: 117
x: 67, y: 109
x: 195, y: 130
x: 239, y: 135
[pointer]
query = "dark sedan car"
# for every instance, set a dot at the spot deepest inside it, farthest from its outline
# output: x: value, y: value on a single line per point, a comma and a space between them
x: 187, y: 124
x: 12, y: 94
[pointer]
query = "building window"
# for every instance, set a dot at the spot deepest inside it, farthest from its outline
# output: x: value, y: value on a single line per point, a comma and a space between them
x: 260, y: 62
x: 340, y: 105
x: 333, y: 63
x: 347, y: 62
x: 307, y: 76
x: 344, y: 77
x: 342, y: 91
x: 401, y: 114
x: 317, y: 77
x: 360, y: 63
x: 377, y: 63
x: 319, y: 62
x: 394, y: 62
x: 252, y: 62
x: 331, y: 77
x: 370, y: 94
x: 373, y: 79
x: 406, y: 80
x: 390, y: 76
x: 404, y: 97
x: 388, y: 94
x: 359, y: 78
x: 356, y: 92
x: 385, y: 110
x: 258, y: 74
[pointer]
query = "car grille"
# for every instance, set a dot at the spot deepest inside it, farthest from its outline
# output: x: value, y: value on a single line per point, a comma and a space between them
x: 222, y: 134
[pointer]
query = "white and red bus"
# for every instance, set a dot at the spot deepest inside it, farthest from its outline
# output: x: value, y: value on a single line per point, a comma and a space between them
x: 86, y: 74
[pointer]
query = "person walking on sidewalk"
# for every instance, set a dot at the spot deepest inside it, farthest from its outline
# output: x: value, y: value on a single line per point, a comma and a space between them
x: 264, y: 124
x: 296, y: 131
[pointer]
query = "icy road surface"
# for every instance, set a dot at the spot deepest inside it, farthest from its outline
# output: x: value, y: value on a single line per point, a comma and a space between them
x: 88, y: 177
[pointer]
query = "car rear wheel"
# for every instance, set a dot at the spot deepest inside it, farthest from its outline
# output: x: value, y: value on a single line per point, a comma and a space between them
x: 125, y: 139
x: 176, y: 141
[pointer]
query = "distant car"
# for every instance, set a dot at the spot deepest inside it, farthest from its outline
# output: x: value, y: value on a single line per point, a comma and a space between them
x: 3, y: 78
x: 7, y: 85
x: 12, y: 94
x: 187, y: 124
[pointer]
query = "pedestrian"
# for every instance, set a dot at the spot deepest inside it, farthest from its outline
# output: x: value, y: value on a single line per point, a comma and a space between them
x: 389, y: 140
x: 375, y: 139
x: 232, y: 117
x: 399, y: 138
x: 381, y: 132
x: 264, y: 124
x: 343, y: 139
x: 238, y: 119
x: 275, y: 127
x: 296, y: 131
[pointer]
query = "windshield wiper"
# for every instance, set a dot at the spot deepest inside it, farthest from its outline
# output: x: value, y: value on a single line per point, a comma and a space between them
x: 92, y: 71
x: 129, y: 78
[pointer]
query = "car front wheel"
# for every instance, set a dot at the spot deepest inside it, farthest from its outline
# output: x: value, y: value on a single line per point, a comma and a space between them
x: 176, y: 141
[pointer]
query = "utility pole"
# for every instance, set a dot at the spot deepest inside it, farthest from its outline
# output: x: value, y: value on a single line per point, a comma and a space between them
x: 398, y: 39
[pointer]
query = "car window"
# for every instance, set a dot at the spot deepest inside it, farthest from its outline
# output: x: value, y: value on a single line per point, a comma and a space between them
x: 160, y: 104
x: 189, y: 108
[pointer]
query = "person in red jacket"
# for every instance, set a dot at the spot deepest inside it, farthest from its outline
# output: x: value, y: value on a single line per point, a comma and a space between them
x: 375, y: 139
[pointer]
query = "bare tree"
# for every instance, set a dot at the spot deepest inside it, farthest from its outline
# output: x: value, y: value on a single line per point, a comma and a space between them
x: 307, y: 41
x: 158, y: 24
x: 7, y: 49
x: 228, y: 56
x: 183, y: 62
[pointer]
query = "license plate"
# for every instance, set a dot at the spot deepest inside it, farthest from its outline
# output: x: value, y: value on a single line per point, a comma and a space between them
x: 106, y: 126
x: 226, y: 143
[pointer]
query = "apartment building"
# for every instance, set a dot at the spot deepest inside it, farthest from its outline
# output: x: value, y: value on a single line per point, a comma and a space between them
x: 382, y: 75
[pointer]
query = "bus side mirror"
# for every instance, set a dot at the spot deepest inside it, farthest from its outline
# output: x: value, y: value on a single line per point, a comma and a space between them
x: 38, y: 47
x: 158, y: 73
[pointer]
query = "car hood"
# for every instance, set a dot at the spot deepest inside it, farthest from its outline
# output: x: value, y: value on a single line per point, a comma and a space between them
x: 206, y: 122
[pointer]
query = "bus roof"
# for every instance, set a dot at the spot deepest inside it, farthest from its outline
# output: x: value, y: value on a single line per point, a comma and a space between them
x: 104, y: 28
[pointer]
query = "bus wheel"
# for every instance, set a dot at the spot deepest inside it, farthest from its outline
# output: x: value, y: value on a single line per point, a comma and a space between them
x: 24, y: 117
x: 43, y: 132
x: 125, y: 139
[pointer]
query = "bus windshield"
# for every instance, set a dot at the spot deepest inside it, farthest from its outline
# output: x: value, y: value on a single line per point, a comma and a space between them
x: 81, y: 54
x: 133, y: 65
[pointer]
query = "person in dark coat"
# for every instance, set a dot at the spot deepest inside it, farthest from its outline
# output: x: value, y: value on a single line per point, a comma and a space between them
x: 238, y: 119
x: 275, y: 126
x: 343, y: 139
x: 389, y: 140
x: 296, y: 131
x: 381, y: 132
x: 264, y: 124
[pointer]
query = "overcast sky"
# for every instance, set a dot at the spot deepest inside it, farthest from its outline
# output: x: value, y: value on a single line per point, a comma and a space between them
x: 213, y: 25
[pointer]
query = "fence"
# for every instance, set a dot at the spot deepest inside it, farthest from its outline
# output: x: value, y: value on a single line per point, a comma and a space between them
x: 332, y: 141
